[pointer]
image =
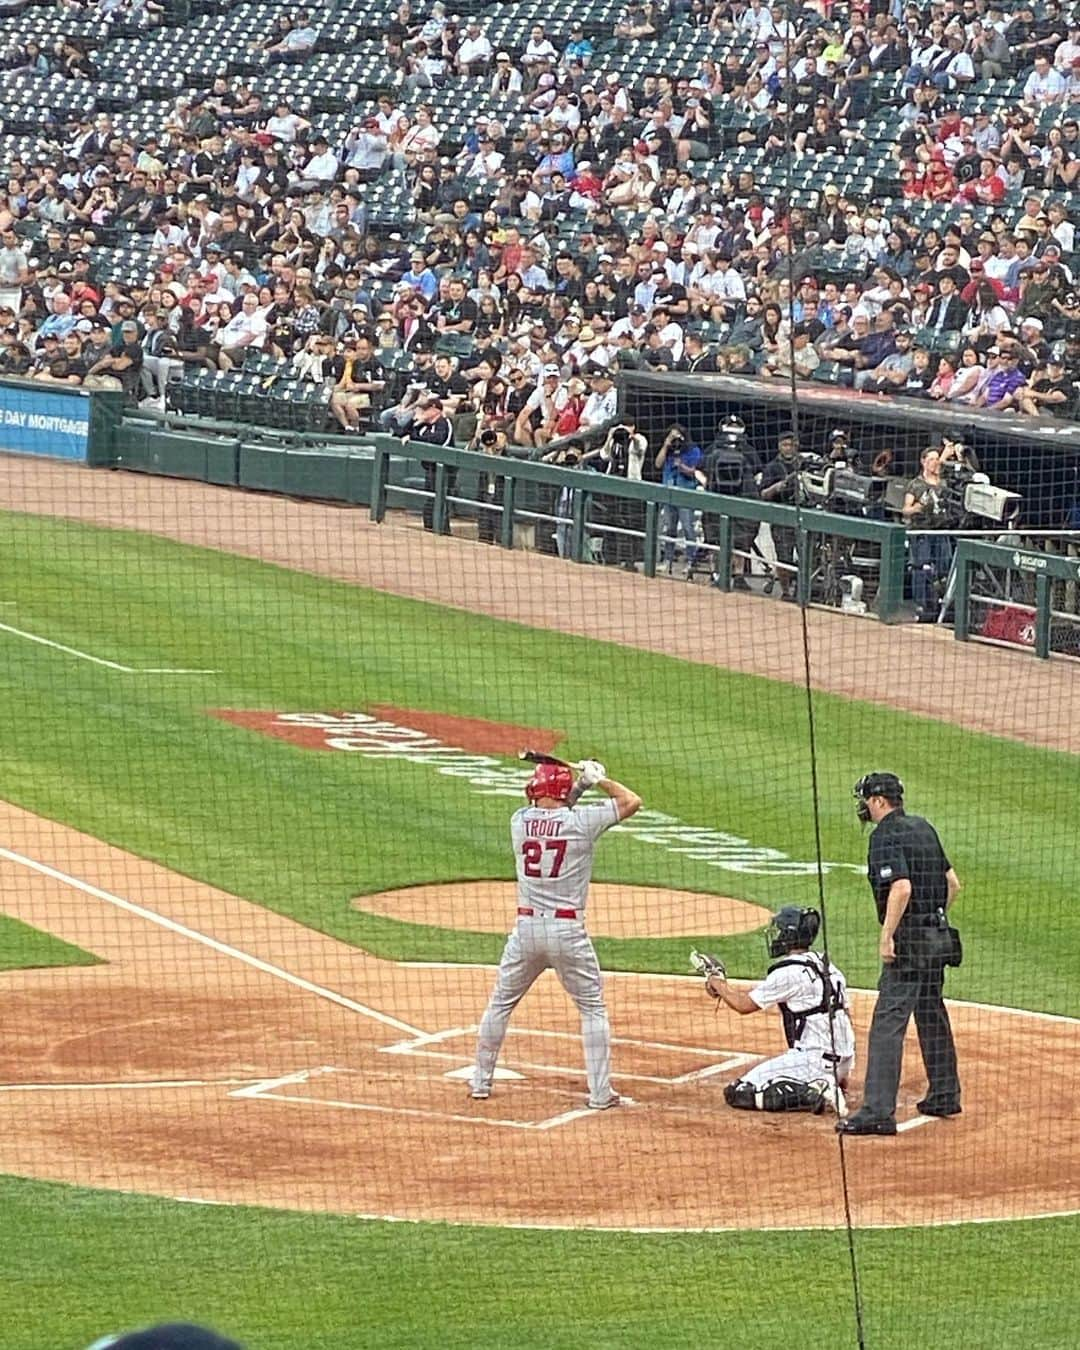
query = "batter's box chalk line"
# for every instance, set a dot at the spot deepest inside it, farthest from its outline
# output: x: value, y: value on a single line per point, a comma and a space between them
x: 425, y: 1047
x: 272, y: 1090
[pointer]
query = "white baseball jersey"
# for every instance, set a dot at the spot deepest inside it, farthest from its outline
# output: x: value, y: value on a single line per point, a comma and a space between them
x: 553, y: 853
x: 798, y: 984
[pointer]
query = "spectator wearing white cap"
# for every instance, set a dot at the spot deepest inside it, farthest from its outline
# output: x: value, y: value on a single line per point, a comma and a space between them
x: 505, y: 78
x: 535, y: 423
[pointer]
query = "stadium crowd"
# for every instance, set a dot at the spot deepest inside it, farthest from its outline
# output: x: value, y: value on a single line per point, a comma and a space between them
x: 600, y: 226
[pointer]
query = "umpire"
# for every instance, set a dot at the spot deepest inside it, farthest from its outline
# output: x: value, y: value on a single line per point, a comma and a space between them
x: 914, y: 885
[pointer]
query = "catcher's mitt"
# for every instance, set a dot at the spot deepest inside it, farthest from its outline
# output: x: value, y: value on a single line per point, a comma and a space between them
x: 707, y: 965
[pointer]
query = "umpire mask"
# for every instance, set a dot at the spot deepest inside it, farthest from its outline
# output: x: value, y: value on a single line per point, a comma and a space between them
x: 885, y: 785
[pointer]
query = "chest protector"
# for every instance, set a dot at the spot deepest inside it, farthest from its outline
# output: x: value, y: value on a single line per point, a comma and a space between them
x: 832, y: 997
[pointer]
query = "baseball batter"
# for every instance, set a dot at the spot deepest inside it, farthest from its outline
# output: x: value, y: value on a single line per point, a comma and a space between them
x: 811, y: 996
x: 553, y: 842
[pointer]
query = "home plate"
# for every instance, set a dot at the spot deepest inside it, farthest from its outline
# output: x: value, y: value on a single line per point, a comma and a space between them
x: 504, y: 1075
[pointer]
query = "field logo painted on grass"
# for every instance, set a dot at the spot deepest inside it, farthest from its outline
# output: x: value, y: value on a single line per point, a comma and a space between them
x: 376, y: 735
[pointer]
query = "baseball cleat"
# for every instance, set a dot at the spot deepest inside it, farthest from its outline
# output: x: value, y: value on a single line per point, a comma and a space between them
x: 860, y: 1124
x: 479, y: 1094
x: 613, y: 1100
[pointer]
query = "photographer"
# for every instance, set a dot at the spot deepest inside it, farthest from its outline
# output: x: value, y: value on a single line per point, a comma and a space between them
x: 567, y: 456
x: 622, y: 455
x: 491, y: 486
x: 925, y: 509
x: 680, y: 467
x: 780, y: 484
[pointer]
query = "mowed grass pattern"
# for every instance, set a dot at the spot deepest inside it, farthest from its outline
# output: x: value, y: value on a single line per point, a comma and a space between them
x: 137, y: 760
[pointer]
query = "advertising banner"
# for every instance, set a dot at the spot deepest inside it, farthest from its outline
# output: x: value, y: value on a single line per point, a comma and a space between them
x: 41, y: 421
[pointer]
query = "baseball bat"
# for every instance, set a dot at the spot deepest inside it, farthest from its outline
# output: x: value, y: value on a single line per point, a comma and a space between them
x: 538, y: 757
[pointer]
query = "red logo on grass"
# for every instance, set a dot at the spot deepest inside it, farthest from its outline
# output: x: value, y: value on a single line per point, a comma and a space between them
x: 385, y: 725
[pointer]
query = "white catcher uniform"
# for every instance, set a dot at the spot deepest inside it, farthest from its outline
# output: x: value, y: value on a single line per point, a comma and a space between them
x: 795, y: 985
x: 553, y: 854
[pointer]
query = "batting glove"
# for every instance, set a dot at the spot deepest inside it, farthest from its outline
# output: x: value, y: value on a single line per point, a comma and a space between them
x: 591, y: 772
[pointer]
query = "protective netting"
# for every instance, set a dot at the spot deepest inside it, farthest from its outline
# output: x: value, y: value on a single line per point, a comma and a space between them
x: 316, y: 1031
x: 261, y: 767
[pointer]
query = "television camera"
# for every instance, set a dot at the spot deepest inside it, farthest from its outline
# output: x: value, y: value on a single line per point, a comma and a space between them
x: 826, y: 484
x: 967, y: 498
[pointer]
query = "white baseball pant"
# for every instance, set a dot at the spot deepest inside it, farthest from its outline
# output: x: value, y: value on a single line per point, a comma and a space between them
x: 562, y: 945
x: 798, y: 1066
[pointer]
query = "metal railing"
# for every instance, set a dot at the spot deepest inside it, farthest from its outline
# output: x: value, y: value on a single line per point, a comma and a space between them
x: 1041, y: 569
x: 815, y: 531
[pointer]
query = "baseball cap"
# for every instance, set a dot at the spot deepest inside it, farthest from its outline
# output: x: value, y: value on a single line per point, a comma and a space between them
x: 551, y: 370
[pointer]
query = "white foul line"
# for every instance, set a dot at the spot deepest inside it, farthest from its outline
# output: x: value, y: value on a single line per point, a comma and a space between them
x: 223, y: 947
x: 914, y: 1123
x: 127, y: 1087
x: 100, y: 660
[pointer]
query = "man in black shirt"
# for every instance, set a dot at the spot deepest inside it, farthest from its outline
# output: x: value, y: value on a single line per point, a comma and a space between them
x: 913, y: 884
x: 431, y: 427
x: 780, y: 484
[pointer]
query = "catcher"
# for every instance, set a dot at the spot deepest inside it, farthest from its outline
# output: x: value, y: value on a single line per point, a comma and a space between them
x: 811, y: 995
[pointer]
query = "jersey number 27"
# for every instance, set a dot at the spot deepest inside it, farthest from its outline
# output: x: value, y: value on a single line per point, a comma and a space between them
x: 532, y: 850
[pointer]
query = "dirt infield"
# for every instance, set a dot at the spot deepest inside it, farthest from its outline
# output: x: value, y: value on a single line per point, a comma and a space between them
x: 614, y: 910
x: 169, y: 1071
x: 1006, y: 693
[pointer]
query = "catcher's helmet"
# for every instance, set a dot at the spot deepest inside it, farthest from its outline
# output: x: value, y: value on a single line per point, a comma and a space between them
x: 550, y: 780
x: 791, y: 927
x: 885, y: 785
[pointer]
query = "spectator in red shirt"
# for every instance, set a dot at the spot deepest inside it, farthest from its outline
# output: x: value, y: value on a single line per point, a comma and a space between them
x: 987, y: 190
x: 939, y: 184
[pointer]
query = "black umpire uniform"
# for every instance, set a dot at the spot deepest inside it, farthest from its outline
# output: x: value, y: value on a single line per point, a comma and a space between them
x: 907, y: 848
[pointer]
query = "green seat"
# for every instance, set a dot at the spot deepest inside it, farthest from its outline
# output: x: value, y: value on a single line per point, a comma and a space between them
x: 828, y: 372
x: 454, y: 344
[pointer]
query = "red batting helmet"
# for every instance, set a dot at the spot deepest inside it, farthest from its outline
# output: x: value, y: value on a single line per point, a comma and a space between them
x: 550, y: 780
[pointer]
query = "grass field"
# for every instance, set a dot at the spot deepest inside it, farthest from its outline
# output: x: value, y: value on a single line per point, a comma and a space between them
x: 283, y: 1281
x: 136, y: 760
x: 23, y: 948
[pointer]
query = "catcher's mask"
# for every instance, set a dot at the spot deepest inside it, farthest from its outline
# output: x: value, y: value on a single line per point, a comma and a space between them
x: 885, y: 785
x: 550, y: 780
x: 791, y: 927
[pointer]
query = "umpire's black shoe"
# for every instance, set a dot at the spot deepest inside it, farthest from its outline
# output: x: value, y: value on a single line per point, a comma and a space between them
x: 929, y: 1108
x: 860, y: 1124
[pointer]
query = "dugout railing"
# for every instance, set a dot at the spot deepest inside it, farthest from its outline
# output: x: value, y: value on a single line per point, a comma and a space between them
x: 1042, y: 605
x: 819, y: 534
